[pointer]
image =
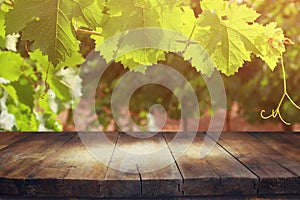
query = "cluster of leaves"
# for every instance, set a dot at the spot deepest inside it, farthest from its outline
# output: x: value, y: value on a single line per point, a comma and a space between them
x: 49, y: 32
x: 228, y: 31
x: 255, y: 78
x: 26, y: 81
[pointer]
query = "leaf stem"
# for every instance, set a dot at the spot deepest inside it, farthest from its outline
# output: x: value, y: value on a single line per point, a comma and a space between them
x: 28, y: 78
x: 26, y: 47
x: 78, y: 30
x: 46, y: 82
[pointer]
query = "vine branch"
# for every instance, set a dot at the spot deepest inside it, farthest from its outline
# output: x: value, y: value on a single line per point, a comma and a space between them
x: 276, y: 112
x: 46, y: 82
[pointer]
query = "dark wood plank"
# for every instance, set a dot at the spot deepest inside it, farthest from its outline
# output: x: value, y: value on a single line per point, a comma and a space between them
x: 159, y: 173
x: 10, y: 138
x: 18, y: 160
x: 217, y: 174
x: 142, y: 171
x: 287, y: 144
x: 265, y: 162
x: 120, y: 183
x: 73, y: 170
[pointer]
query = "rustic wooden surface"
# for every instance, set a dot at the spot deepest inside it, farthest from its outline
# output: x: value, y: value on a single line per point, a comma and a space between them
x: 274, y: 169
x: 58, y: 165
x: 218, y: 173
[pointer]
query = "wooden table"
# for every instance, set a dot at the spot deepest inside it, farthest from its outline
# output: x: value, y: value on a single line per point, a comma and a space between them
x: 240, y: 165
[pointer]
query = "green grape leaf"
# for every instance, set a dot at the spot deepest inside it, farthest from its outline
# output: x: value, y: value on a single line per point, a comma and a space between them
x: 229, y: 33
x: 10, y: 91
x: 75, y: 60
x: 180, y: 19
x: 224, y: 32
x: 199, y: 59
x: 25, y: 92
x: 10, y: 65
x: 171, y: 4
x: 197, y: 56
x: 140, y: 14
x: 98, y: 39
x: 138, y: 60
x: 127, y: 15
x: 49, y: 25
x: 91, y: 16
x: 271, y: 45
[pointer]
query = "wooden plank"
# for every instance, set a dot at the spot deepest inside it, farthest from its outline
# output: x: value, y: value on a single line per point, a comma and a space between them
x: 10, y: 138
x: 73, y: 171
x: 264, y: 161
x: 287, y: 144
x: 159, y: 173
x: 120, y: 183
x: 217, y: 174
x: 144, y: 167
x: 18, y: 160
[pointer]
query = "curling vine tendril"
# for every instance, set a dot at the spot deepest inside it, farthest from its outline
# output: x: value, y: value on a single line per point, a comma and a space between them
x: 276, y: 112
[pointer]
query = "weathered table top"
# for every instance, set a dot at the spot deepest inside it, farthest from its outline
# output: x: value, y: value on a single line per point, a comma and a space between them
x: 59, y: 165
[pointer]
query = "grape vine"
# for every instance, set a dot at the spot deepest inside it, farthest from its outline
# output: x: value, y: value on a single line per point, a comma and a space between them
x: 41, y: 62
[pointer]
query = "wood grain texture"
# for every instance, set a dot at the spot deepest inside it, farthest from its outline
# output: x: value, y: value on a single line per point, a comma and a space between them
x: 72, y: 171
x: 264, y: 161
x: 116, y: 165
x: 147, y: 163
x: 9, y: 138
x: 159, y: 173
x: 218, y: 173
x: 21, y: 158
x: 287, y: 144
x: 122, y: 183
